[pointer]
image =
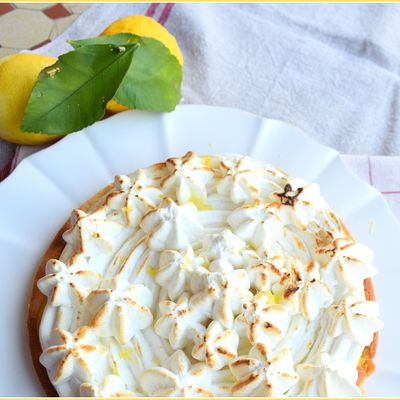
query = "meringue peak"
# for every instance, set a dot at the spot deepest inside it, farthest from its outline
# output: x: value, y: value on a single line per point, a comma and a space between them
x: 328, y: 378
x: 177, y: 378
x: 263, y: 374
x: 217, y: 347
x: 120, y: 311
x: 186, y: 177
x: 91, y: 233
x: 171, y: 226
x: 179, y: 322
x: 176, y: 268
x: 68, y: 285
x: 73, y: 355
x: 134, y: 199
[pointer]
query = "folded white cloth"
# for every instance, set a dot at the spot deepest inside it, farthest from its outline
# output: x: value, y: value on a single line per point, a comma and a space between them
x: 331, y: 69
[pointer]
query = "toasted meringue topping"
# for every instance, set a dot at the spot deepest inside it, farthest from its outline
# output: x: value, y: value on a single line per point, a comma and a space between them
x: 262, y: 374
x: 179, y: 322
x: 171, y: 226
x: 76, y: 355
x: 217, y: 347
x: 298, y: 203
x: 187, y: 178
x: 93, y: 233
x: 257, y: 226
x: 224, y: 245
x: 134, y: 199
x: 349, y: 267
x: 240, y: 179
x: 176, y: 268
x: 262, y: 322
x: 120, y: 311
x: 178, y: 378
x: 220, y: 291
x: 67, y: 285
x: 358, y: 318
x: 264, y: 271
x: 207, y: 276
x: 111, y: 386
x: 328, y: 378
x: 314, y: 297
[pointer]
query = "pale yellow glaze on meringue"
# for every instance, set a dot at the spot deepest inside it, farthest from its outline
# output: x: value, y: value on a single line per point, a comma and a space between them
x: 207, y: 276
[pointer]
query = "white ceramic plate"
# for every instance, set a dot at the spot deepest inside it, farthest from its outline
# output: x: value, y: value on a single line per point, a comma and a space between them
x: 38, y: 197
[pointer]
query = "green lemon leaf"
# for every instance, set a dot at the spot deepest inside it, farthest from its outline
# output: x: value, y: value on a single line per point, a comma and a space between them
x: 118, y: 39
x: 153, y: 80
x: 138, y: 72
x: 73, y: 93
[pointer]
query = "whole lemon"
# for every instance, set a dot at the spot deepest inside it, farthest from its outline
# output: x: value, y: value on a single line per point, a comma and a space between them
x: 142, y: 26
x: 18, y: 75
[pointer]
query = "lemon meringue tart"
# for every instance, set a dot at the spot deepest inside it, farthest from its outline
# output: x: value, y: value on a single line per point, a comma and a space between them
x: 204, y: 276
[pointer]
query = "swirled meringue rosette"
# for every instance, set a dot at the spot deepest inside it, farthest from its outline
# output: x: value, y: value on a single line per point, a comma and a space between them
x: 205, y: 276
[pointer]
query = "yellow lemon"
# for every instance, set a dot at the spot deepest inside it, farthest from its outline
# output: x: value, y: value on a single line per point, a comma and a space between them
x: 142, y: 26
x: 18, y: 75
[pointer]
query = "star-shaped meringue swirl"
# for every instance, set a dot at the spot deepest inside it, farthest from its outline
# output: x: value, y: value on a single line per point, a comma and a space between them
x: 110, y: 386
x: 261, y: 374
x: 171, y: 226
x: 263, y: 271
x: 262, y: 322
x: 301, y: 288
x: 217, y: 347
x: 220, y: 291
x: 187, y: 178
x: 240, y: 179
x: 180, y: 321
x: 224, y: 245
x: 133, y: 199
x: 175, y: 269
x: 299, y: 204
x: 314, y: 297
x: 326, y: 246
x: 74, y: 355
x: 120, y: 311
x: 92, y: 233
x: 359, y: 318
x: 177, y: 378
x: 328, y: 378
x: 350, y: 266
x: 67, y: 285
x: 257, y: 225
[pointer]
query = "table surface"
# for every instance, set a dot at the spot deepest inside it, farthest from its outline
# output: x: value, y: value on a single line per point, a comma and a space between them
x: 31, y: 25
